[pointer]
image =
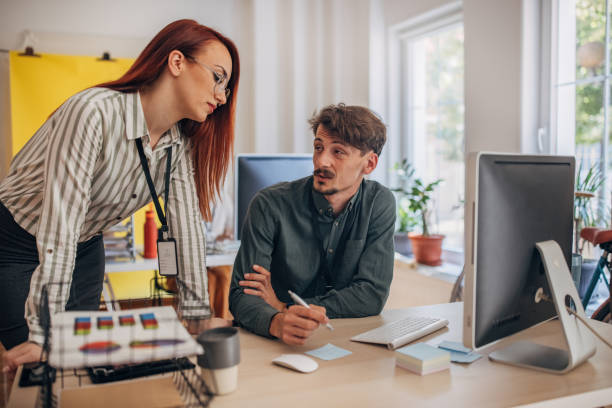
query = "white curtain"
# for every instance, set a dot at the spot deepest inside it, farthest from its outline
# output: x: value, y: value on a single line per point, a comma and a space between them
x: 304, y: 54
x: 296, y: 56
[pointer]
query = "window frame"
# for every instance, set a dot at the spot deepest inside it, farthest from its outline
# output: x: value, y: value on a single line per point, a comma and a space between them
x: 563, y: 142
x: 400, y: 133
x: 426, y: 24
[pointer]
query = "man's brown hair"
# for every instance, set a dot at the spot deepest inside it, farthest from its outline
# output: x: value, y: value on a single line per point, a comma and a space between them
x: 354, y: 125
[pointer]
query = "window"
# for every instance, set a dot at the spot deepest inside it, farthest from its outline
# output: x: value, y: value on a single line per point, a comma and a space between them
x: 428, y: 112
x: 582, y: 87
x: 435, y: 93
x: 580, y: 107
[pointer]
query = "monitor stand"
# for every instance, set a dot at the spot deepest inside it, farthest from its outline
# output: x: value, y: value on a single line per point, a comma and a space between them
x: 580, y: 342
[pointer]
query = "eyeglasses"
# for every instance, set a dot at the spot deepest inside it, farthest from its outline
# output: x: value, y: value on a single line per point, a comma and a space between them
x: 221, y: 81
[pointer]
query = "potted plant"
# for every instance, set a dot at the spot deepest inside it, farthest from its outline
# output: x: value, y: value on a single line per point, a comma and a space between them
x: 427, y: 247
x: 406, y: 221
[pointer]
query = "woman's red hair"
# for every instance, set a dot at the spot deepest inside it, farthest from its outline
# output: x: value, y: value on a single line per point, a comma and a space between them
x: 213, y: 139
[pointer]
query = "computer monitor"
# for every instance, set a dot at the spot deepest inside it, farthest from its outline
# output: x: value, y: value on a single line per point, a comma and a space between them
x: 256, y: 171
x: 512, y: 202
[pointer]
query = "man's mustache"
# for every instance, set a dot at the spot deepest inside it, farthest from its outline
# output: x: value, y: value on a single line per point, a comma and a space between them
x: 324, y: 173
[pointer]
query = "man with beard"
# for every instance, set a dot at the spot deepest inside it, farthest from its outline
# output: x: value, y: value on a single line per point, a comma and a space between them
x: 327, y: 237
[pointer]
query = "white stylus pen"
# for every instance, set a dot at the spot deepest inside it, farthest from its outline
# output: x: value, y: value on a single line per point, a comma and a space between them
x: 301, y: 302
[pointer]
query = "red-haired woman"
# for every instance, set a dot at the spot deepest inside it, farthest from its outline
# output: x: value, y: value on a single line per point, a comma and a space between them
x: 85, y: 169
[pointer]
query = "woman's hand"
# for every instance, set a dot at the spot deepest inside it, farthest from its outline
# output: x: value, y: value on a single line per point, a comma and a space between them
x: 27, y: 352
x: 259, y: 284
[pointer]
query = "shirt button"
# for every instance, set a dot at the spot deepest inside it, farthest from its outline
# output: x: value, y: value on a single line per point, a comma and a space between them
x: 336, y: 224
x: 320, y: 211
x: 118, y: 218
x: 134, y: 195
x: 330, y: 250
x: 49, y: 251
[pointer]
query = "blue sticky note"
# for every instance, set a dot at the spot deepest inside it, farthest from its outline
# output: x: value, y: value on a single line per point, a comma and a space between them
x: 454, y: 346
x: 459, y: 353
x: 329, y: 352
x: 457, y: 357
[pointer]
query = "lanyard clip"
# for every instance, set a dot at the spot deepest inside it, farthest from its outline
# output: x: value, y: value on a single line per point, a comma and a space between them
x: 163, y: 232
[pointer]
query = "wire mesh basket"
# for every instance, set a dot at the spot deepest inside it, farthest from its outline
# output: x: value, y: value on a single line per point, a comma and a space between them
x: 164, y: 349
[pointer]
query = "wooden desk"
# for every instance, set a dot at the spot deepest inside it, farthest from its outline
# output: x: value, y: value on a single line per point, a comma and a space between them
x: 369, y: 377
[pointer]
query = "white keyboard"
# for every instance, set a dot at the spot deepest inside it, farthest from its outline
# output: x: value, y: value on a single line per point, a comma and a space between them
x: 401, y: 332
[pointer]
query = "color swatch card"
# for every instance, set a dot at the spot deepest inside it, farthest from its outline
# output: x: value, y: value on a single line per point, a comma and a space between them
x: 329, y: 352
x: 82, y: 325
x: 127, y: 320
x: 84, y: 339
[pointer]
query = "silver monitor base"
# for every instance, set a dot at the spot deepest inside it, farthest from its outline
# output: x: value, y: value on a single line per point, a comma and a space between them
x: 532, y: 355
x: 580, y: 342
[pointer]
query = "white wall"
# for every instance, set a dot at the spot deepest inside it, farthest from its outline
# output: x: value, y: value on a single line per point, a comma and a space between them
x: 307, y: 54
x: 492, y: 30
x: 296, y: 55
x: 397, y: 11
x: 299, y: 55
x: 124, y: 20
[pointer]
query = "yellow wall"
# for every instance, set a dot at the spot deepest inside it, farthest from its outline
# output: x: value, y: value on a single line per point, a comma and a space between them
x: 39, y: 85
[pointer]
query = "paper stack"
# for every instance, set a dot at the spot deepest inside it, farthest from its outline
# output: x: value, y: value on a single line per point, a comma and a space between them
x: 422, y: 358
x: 87, y: 339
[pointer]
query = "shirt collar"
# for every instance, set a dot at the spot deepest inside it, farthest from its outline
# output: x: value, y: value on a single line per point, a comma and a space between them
x: 171, y: 137
x: 324, y: 208
x: 136, y: 125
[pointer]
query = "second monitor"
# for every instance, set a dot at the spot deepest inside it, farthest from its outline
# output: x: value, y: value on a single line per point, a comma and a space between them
x: 257, y: 171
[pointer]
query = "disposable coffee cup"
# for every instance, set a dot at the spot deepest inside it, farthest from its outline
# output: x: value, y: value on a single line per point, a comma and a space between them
x: 219, y: 363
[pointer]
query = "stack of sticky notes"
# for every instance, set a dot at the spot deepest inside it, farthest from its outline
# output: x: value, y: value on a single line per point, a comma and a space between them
x: 422, y: 358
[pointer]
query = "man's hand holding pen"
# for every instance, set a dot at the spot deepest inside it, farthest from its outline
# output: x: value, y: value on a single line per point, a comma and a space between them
x: 291, y: 325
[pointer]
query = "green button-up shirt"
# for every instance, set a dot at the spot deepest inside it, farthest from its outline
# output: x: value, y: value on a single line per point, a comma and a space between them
x: 289, y: 227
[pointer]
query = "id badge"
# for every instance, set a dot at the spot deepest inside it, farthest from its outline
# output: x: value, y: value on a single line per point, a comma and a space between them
x: 166, y: 257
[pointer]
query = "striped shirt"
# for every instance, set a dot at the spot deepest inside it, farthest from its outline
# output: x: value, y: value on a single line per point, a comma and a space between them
x: 81, y: 174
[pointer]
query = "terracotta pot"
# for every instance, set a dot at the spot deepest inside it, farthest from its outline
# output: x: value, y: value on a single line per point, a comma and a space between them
x: 427, y: 249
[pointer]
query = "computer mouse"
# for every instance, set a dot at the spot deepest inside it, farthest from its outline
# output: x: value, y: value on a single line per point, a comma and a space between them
x: 297, y: 362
